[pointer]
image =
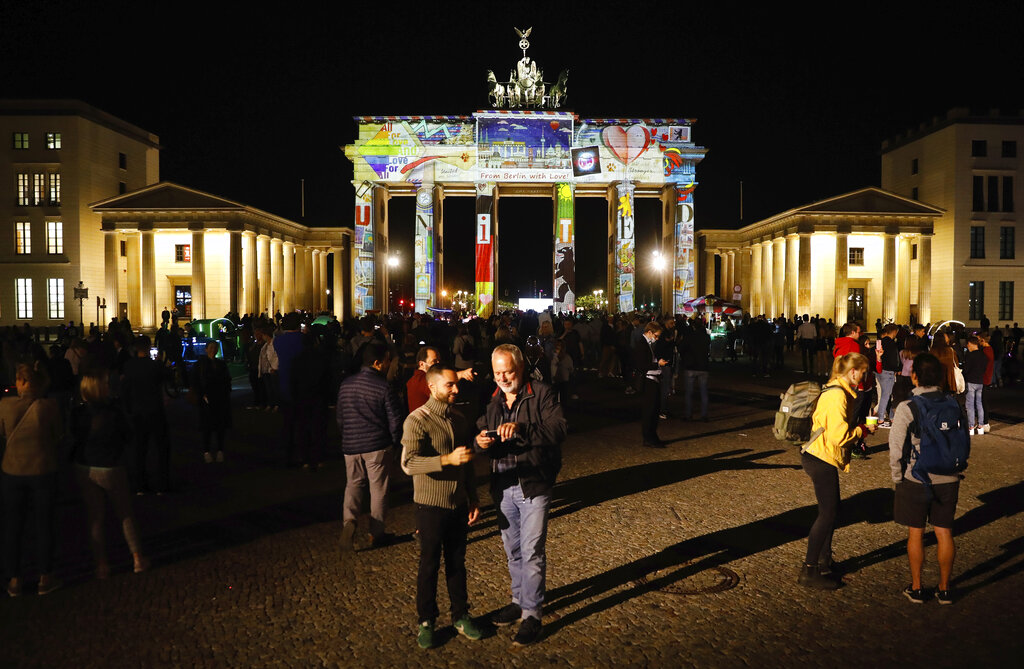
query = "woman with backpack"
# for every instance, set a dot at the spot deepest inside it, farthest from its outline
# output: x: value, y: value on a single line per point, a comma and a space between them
x: 834, y: 430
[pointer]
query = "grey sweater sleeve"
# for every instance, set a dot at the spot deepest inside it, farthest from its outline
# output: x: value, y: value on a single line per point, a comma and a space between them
x: 901, y: 420
x: 418, y: 456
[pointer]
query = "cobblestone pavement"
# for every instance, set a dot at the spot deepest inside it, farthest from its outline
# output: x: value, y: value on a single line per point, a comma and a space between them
x: 676, y: 557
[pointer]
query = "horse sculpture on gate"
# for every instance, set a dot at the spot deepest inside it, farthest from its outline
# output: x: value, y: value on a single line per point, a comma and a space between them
x: 526, y: 86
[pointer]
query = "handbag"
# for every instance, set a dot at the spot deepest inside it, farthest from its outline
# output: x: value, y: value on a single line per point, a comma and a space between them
x: 958, y: 375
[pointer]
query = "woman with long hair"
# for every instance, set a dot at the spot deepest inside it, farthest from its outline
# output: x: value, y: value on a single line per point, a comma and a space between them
x: 100, y: 437
x: 31, y: 424
x: 942, y: 350
x: 834, y: 430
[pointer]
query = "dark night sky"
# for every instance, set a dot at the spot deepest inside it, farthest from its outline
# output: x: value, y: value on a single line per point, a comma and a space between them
x: 247, y: 103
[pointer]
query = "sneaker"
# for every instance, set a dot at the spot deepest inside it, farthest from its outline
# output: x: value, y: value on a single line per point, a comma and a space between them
x: 529, y: 631
x: 985, y: 428
x: 916, y: 596
x: 49, y: 585
x: 425, y: 635
x: 971, y: 431
x: 508, y: 615
x: 886, y: 424
x: 348, y: 531
x: 467, y: 628
x: 14, y: 588
x: 207, y: 457
x: 220, y: 456
x: 944, y: 596
x: 811, y: 577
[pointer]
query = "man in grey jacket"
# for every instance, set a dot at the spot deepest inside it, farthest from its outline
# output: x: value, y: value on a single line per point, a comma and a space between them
x: 914, y: 503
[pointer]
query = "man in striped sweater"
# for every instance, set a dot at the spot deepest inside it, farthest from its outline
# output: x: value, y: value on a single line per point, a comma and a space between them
x: 445, y: 497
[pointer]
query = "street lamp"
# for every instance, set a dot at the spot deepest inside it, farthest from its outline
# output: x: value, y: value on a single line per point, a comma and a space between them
x: 659, y: 261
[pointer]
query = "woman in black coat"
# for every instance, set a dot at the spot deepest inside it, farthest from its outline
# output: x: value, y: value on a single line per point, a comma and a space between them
x: 211, y: 383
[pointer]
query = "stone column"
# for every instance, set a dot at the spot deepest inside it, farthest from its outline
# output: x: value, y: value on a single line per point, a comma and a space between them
x: 792, y: 277
x: 322, y: 285
x: 338, y: 289
x: 803, y: 292
x: 110, y: 272
x: 134, y: 277
x: 252, y: 288
x: 888, y: 278
x: 903, y: 281
x: 728, y: 274
x: 276, y: 276
x: 288, y: 278
x: 924, y: 278
x: 308, y: 260
x: 299, y: 281
x: 767, y: 284
x: 709, y: 271
x: 842, y: 285
x: 236, y: 298
x: 264, y: 277
x: 316, y: 296
x: 199, y: 274
x: 743, y: 261
x: 148, y: 281
x: 756, y: 294
x: 778, y: 275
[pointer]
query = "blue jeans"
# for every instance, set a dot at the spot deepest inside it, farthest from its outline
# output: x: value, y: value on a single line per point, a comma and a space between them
x: 702, y: 387
x: 524, y: 529
x: 886, y: 380
x: 975, y: 412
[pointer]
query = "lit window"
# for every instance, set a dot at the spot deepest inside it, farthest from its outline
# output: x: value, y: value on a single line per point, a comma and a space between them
x: 21, y: 140
x: 1007, y: 246
x: 55, y: 298
x: 976, y: 299
x: 182, y: 253
x: 23, y: 298
x: 54, y: 189
x: 38, y: 189
x: 979, y: 148
x: 24, y: 189
x: 22, y: 237
x: 856, y: 255
x: 1006, y: 300
x: 53, y: 140
x: 977, y: 241
x: 54, y: 237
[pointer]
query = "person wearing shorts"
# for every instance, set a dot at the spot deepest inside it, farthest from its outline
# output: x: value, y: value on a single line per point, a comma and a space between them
x: 915, y: 503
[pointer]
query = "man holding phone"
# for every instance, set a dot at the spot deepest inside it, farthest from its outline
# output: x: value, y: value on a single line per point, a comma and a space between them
x: 446, y: 500
x: 522, y: 432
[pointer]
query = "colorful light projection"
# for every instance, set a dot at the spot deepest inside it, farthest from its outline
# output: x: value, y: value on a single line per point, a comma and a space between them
x: 565, y: 250
x: 424, y: 247
x: 625, y: 248
x: 484, y: 250
x: 518, y: 146
x: 362, y: 255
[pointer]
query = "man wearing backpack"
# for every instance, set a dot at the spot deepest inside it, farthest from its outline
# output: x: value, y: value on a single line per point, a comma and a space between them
x: 928, y: 448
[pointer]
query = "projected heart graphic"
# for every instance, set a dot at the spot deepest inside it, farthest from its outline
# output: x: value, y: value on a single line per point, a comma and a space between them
x: 485, y: 298
x: 627, y: 145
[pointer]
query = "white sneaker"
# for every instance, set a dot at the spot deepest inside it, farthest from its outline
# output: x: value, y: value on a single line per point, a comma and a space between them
x: 971, y: 431
x: 207, y: 457
x: 220, y: 456
x: 985, y: 428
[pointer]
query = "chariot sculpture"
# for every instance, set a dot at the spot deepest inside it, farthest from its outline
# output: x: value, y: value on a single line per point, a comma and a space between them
x: 525, y: 87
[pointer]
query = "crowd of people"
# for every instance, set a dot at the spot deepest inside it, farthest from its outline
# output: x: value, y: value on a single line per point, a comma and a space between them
x: 432, y: 394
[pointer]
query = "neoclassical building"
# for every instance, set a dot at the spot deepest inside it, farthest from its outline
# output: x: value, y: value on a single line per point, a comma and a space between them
x: 862, y: 255
x: 166, y: 245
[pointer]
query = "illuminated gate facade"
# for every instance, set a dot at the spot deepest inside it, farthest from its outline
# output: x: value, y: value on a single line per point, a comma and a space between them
x: 492, y: 155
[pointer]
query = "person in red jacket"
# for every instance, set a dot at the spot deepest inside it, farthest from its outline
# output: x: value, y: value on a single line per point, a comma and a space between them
x: 416, y: 389
x: 848, y: 340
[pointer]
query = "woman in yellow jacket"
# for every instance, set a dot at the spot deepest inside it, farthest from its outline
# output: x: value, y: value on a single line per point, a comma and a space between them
x: 833, y: 432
